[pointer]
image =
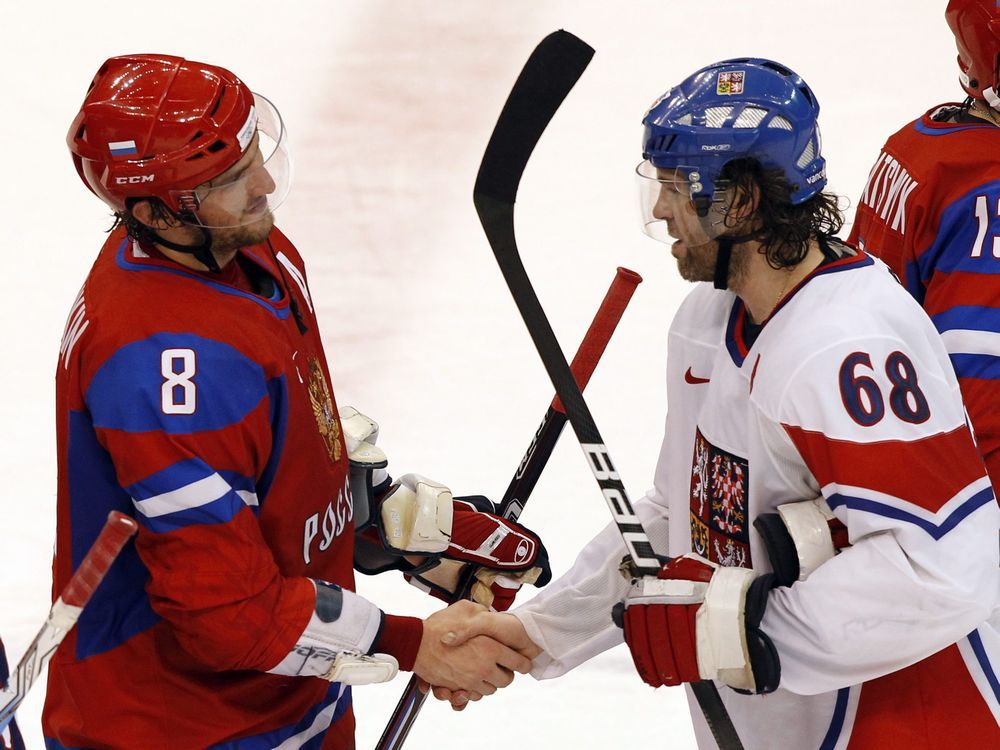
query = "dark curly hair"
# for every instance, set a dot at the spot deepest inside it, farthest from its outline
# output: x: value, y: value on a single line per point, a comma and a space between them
x: 784, y: 229
x: 136, y: 229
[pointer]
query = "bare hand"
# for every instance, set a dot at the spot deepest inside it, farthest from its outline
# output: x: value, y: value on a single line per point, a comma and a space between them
x: 501, y: 627
x: 455, y: 656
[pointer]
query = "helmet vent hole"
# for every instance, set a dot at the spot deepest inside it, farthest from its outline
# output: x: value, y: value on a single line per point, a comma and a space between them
x: 215, y: 105
x: 807, y: 155
x: 780, y: 122
x: 715, y: 117
x: 685, y: 119
x: 807, y: 94
x: 217, y: 146
x: 750, y: 117
x: 196, y: 136
x: 661, y: 143
x: 774, y: 66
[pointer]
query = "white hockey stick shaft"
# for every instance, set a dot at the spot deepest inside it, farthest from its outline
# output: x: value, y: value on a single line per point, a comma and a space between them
x: 118, y: 529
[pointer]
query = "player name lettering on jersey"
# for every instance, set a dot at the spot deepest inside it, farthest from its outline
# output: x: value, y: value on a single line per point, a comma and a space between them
x: 76, y: 324
x: 889, y: 185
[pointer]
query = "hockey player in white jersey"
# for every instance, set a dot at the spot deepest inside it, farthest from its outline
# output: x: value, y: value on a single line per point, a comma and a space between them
x: 832, y: 530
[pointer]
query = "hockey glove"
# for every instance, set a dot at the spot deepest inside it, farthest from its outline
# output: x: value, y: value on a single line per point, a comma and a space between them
x: 800, y: 537
x: 368, y: 477
x: 442, y: 537
x: 698, y: 621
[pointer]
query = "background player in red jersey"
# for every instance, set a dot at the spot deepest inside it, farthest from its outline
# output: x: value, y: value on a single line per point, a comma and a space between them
x: 193, y: 393
x: 931, y: 211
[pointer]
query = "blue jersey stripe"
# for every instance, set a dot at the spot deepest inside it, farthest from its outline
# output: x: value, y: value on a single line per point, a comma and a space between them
x: 981, y: 498
x: 275, y: 306
x: 976, y: 366
x: 837, y: 720
x: 277, y: 390
x: 958, y: 230
x: 222, y: 510
x: 120, y: 607
x: 976, y: 641
x: 968, y: 318
x: 274, y: 738
x: 130, y: 391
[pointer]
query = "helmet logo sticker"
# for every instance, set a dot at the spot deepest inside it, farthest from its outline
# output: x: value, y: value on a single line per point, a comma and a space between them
x: 729, y: 82
x: 122, y: 148
x: 135, y: 179
x: 249, y: 128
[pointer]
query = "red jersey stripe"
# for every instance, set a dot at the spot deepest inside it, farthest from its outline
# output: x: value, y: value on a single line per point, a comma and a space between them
x: 873, y: 465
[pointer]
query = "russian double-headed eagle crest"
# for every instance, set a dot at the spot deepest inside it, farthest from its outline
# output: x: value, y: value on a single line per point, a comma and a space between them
x: 326, y: 420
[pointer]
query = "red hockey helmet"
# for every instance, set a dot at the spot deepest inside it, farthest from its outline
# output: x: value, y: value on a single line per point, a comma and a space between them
x: 976, y: 26
x: 161, y: 126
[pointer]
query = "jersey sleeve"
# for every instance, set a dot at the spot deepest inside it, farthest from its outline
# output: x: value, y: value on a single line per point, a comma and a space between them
x: 187, y: 423
x: 883, y: 432
x: 959, y: 263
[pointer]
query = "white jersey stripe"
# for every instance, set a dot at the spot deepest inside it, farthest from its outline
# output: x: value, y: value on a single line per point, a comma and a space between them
x: 960, y: 341
x: 193, y: 495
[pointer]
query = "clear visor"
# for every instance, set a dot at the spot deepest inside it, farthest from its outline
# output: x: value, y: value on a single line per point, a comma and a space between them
x: 668, y: 210
x: 252, y: 188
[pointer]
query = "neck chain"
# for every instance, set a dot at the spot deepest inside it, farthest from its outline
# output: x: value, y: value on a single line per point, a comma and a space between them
x: 985, y: 112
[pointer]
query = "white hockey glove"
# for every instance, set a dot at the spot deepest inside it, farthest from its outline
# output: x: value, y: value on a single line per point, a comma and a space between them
x: 698, y: 621
x: 436, y: 538
x: 367, y: 464
x: 800, y: 537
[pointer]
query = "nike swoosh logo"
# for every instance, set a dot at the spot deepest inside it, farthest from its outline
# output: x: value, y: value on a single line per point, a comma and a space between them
x: 694, y: 379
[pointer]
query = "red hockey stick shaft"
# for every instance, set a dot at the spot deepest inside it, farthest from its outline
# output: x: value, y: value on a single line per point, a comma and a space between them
x: 528, y: 471
x: 118, y: 529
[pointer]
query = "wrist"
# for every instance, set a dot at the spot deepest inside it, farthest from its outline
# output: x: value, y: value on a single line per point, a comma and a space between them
x: 399, y: 637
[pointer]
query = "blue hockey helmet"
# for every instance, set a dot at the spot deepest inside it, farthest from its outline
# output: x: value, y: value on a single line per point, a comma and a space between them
x: 746, y: 107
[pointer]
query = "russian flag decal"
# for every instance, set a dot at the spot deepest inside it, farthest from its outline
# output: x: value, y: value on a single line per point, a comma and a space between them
x: 122, y: 148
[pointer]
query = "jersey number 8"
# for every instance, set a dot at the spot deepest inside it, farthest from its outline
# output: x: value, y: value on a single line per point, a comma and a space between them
x: 863, y: 398
x: 178, y: 394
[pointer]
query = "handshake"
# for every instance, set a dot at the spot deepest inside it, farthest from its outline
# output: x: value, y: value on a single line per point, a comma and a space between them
x: 468, y: 651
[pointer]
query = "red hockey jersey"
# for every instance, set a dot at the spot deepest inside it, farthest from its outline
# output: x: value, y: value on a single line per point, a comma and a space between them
x: 931, y: 211
x: 206, y: 412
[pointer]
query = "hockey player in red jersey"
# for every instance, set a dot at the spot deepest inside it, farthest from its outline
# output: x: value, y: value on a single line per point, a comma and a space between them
x: 931, y: 210
x: 193, y: 394
x: 831, y: 529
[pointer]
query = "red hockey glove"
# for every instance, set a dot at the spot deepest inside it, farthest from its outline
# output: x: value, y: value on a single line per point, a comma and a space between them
x: 504, y: 554
x: 436, y: 538
x: 800, y: 537
x: 697, y: 621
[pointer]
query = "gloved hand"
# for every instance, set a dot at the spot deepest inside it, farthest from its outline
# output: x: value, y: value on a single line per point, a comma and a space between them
x: 443, y: 537
x: 698, y: 621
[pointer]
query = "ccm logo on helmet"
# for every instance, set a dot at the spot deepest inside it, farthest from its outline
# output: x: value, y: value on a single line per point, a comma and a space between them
x: 134, y: 179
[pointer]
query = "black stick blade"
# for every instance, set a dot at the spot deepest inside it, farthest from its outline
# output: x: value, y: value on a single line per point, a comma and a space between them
x: 547, y: 77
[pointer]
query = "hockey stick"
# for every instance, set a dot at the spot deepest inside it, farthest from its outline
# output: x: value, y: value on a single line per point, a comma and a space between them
x: 118, y: 529
x: 546, y: 79
x: 528, y: 472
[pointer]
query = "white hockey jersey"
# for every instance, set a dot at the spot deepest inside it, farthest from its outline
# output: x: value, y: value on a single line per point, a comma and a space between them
x: 847, y: 392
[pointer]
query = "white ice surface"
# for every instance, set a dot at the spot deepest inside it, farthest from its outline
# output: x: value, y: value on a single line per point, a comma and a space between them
x: 389, y: 105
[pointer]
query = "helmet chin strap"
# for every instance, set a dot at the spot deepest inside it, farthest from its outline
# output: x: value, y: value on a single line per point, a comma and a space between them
x: 201, y: 251
x: 725, y: 254
x: 722, y: 259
